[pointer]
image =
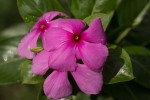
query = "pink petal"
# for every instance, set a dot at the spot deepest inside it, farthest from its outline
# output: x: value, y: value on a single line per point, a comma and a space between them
x: 40, y: 63
x: 63, y: 59
x: 54, y: 38
x: 95, y: 33
x: 52, y: 14
x: 57, y: 85
x: 88, y: 81
x: 93, y: 55
x: 78, y: 56
x: 27, y: 43
x: 70, y: 25
x: 40, y: 24
x: 48, y: 16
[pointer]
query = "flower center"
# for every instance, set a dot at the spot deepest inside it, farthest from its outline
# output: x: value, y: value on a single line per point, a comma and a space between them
x: 76, y: 38
x: 43, y: 27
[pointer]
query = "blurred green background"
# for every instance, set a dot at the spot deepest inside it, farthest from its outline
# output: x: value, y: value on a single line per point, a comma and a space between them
x: 9, y: 14
x: 9, y: 21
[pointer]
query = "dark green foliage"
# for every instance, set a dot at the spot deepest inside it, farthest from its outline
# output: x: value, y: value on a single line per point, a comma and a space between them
x: 127, y: 24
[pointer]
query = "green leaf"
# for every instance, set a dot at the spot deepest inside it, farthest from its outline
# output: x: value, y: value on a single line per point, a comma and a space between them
x: 127, y: 91
x: 132, y: 28
x: 66, y: 5
x: 82, y: 8
x: 15, y: 30
x: 27, y: 77
x: 9, y: 60
x: 104, y: 6
x: 140, y: 35
x: 128, y: 10
x: 105, y: 18
x: 137, y: 50
x: 118, y: 67
x: 31, y: 10
x: 41, y: 96
x: 140, y: 23
x: 104, y: 9
x: 140, y: 57
x: 79, y: 96
x: 9, y: 71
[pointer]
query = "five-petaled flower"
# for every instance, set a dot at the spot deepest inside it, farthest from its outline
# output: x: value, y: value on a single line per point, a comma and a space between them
x: 65, y: 45
x: 70, y: 42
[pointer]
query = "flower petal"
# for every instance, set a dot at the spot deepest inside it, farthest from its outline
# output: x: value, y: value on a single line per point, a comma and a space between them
x: 95, y: 33
x: 93, y: 55
x: 70, y: 25
x: 78, y: 56
x: 40, y: 63
x: 88, y: 81
x: 54, y: 38
x: 57, y: 85
x: 27, y: 43
x: 48, y: 16
x: 63, y: 59
x: 52, y: 14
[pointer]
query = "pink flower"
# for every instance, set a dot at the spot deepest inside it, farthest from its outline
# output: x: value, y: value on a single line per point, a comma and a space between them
x: 57, y: 85
x: 64, y: 47
x: 30, y: 40
x: 72, y: 42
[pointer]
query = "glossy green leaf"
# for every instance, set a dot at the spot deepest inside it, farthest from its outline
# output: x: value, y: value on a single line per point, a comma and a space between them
x: 128, y: 10
x: 118, y: 67
x: 31, y: 10
x: 82, y: 8
x: 127, y: 91
x: 9, y: 60
x: 13, y: 31
x: 105, y: 18
x: 104, y: 9
x: 140, y: 57
x: 140, y: 35
x: 104, y: 6
x: 9, y: 71
x: 139, y: 26
x: 27, y: 77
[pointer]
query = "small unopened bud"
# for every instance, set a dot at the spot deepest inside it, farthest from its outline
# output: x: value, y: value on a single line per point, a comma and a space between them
x: 37, y: 49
